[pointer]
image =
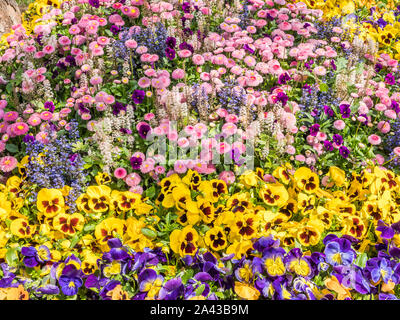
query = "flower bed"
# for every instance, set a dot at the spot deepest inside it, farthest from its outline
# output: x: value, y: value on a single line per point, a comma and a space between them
x: 200, y: 150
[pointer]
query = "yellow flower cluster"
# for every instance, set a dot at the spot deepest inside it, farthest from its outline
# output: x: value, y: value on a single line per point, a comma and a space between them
x: 102, y: 214
x: 35, y: 11
x: 294, y: 208
x: 385, y: 37
x: 335, y: 8
x: 30, y: 17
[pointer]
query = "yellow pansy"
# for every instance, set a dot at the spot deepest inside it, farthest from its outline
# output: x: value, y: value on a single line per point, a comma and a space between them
x: 102, y: 178
x: 108, y: 229
x: 337, y: 175
x: 249, y: 179
x: 274, y: 265
x: 239, y: 248
x: 69, y: 224
x: 274, y: 194
x: 215, y: 238
x: 184, y: 242
x: 306, y: 180
x: 246, y: 291
x: 21, y: 228
x: 50, y: 202
x: 99, y: 198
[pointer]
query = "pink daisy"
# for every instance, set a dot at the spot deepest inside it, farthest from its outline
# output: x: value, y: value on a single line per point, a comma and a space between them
x: 184, y: 53
x: 132, y: 179
x: 46, y: 115
x: 159, y: 170
x: 227, y: 176
x: 10, y: 116
x: 229, y: 128
x: 147, y: 166
x: 48, y: 49
x: 136, y: 189
x: 120, y: 173
x: 144, y: 82
x: 374, y: 139
x: 8, y: 163
x: 180, y: 166
x: 20, y: 128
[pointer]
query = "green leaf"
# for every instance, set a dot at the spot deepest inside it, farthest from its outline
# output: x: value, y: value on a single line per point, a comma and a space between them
x: 219, y: 294
x: 12, y: 257
x: 323, y: 87
x: 89, y: 227
x: 149, y: 233
x: 150, y: 192
x: 12, y: 148
x: 187, y: 275
x: 9, y: 87
x: 361, y: 260
x: 200, y: 289
x: 74, y: 240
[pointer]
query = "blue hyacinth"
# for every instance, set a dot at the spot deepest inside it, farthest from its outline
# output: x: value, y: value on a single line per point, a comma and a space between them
x: 55, y: 165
